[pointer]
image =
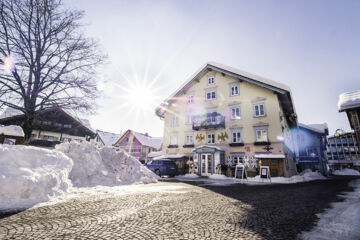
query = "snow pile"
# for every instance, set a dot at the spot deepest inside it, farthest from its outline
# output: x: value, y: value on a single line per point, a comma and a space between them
x: 188, y: 175
x: 12, y: 130
x: 30, y: 175
x: 341, y: 221
x: 304, y: 176
x: 347, y: 172
x: 103, y: 166
x: 218, y: 176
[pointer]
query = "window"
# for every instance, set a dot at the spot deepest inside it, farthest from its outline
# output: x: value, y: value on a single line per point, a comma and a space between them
x: 174, y: 139
x: 236, y: 136
x: 49, y: 138
x: 312, y: 151
x: 236, y: 159
x: 210, y: 94
x: 211, y: 117
x: 189, y: 139
x: 174, y: 121
x: 188, y: 118
x: 211, y: 80
x: 210, y: 138
x: 190, y: 99
x: 57, y: 124
x: 259, y: 109
x: 235, y: 113
x: 261, y: 135
x: 234, y: 89
x: 48, y: 123
x: 67, y: 125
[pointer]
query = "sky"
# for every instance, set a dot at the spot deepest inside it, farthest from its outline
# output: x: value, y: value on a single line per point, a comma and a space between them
x: 313, y: 46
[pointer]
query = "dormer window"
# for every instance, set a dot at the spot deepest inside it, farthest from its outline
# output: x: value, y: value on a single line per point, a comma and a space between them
x: 211, y: 80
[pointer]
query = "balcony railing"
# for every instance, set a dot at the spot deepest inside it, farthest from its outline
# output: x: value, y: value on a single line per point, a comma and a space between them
x: 208, y: 121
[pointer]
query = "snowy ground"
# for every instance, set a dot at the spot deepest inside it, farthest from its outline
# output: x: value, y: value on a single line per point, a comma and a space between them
x: 341, y: 221
x: 222, y: 180
x: 347, y: 172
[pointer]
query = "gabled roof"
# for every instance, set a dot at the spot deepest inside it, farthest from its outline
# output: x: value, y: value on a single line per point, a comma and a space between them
x: 321, y: 128
x: 109, y: 139
x: 277, y: 87
x: 349, y: 100
x: 9, y: 114
x: 154, y: 142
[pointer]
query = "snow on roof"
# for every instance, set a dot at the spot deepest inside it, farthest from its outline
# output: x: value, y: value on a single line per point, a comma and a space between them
x: 108, y: 138
x: 319, y: 128
x: 12, y: 130
x: 349, y: 100
x: 154, y: 154
x: 269, y: 156
x: 9, y: 112
x: 154, y: 142
x: 275, y: 86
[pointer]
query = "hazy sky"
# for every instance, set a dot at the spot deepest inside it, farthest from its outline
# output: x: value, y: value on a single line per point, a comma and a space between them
x: 313, y: 46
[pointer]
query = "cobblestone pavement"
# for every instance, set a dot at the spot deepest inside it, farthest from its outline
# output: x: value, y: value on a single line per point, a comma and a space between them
x: 195, y: 212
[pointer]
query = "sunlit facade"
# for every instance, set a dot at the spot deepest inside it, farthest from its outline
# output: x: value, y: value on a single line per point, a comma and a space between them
x: 222, y: 116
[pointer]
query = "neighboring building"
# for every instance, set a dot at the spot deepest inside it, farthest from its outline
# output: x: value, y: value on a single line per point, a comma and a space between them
x: 138, y: 145
x: 11, y: 134
x: 350, y: 103
x: 103, y: 138
x: 51, y: 126
x: 311, y: 146
x: 221, y: 116
x: 343, y: 151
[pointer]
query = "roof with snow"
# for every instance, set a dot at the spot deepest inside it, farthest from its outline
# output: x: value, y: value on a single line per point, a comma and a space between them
x: 144, y: 139
x: 349, y: 100
x: 109, y: 139
x: 12, y: 130
x: 154, y: 142
x: 321, y: 128
x: 283, y: 90
x: 10, y: 112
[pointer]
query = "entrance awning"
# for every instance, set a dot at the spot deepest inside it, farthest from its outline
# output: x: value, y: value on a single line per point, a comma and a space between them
x: 207, y: 148
x: 269, y: 156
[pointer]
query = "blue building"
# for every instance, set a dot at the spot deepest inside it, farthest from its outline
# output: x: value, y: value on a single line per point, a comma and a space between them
x: 311, y: 147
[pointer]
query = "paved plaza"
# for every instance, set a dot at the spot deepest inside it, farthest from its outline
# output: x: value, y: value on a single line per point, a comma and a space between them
x: 191, y: 210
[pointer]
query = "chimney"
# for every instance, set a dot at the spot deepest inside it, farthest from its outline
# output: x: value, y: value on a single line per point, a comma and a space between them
x: 146, y: 134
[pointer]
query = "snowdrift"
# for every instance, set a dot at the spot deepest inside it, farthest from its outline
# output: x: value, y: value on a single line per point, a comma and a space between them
x: 30, y: 175
x: 347, y: 172
x: 103, y: 166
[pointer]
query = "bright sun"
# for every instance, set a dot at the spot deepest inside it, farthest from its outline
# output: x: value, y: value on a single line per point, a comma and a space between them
x: 141, y: 97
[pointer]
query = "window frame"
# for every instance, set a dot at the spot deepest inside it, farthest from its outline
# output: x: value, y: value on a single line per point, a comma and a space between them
x: 214, y: 138
x: 231, y: 88
x: 174, y: 121
x: 189, y: 134
x: 211, y: 91
x: 174, y: 136
x: 259, y: 109
x: 231, y: 113
x: 262, y: 129
x: 190, y: 99
x: 236, y: 130
x: 208, y: 80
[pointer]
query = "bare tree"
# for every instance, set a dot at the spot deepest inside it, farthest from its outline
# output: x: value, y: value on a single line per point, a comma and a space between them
x: 46, y: 60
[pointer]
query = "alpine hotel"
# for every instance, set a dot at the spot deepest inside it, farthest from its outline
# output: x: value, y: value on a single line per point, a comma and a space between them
x: 222, y: 116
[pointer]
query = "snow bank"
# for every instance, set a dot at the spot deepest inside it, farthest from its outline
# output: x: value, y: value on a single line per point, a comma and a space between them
x: 103, y: 166
x: 347, y: 172
x: 30, y: 175
x: 341, y: 221
x: 304, y: 176
x: 218, y: 176
x: 12, y: 130
x: 188, y: 175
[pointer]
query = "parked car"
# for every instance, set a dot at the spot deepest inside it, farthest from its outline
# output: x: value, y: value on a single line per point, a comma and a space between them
x: 163, y: 167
